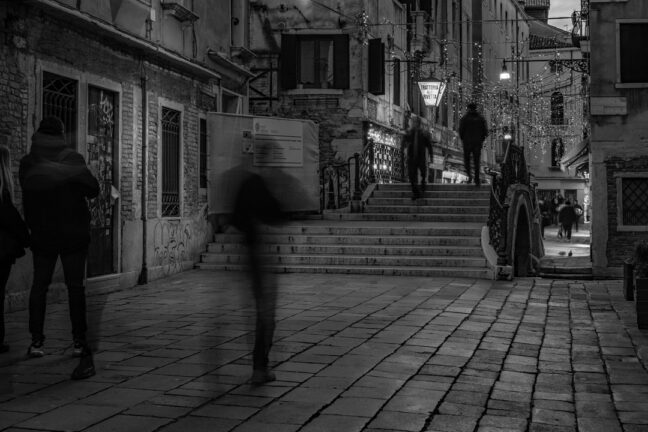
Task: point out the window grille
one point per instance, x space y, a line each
635 201
170 162
60 100
203 153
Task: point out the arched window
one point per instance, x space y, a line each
557 109
557 151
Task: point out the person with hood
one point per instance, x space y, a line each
416 143
56 184
14 236
473 130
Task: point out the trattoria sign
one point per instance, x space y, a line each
432 92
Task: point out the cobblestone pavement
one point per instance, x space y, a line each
352 353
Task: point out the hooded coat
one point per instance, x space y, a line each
473 129
56 182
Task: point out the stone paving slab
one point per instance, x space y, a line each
351 353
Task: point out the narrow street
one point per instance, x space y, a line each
351 353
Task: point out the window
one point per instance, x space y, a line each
315 61
397 82
60 100
170 162
202 165
557 109
376 69
633 208
557 151
633 38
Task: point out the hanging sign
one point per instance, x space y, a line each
432 92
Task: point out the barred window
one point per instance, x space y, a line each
170 162
634 201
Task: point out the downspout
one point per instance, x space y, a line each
143 276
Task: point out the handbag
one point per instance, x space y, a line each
10 247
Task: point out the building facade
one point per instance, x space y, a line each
555 112
619 138
132 81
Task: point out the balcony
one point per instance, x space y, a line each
177 9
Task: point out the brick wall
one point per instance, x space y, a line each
620 243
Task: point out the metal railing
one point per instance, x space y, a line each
336 187
513 170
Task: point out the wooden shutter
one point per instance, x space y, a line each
376 71
341 61
633 38
288 61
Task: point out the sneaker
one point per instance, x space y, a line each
36 349
85 368
77 349
261 377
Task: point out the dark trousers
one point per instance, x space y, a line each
472 154
265 295
5 269
74 272
416 167
567 230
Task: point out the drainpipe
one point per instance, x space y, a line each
143 276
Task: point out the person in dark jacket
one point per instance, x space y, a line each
473 130
14 236
417 144
567 217
56 184
255 205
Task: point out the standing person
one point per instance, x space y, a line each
545 216
255 205
418 144
56 184
14 236
567 216
473 130
578 209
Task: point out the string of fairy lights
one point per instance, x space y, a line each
530 101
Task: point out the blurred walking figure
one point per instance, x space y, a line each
56 183
545 216
14 237
418 144
578 209
254 206
473 130
566 217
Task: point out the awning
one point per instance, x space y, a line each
578 155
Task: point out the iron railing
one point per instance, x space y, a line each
336 187
381 163
513 171
170 162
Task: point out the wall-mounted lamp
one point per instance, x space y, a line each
505 74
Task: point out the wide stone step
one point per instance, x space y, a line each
456 210
350 260
450 194
432 187
367 250
357 227
434 202
449 272
407 217
459 239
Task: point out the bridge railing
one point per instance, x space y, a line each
513 170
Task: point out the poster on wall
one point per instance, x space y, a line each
277 142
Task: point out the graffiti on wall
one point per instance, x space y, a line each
180 240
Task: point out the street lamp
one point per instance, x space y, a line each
505 74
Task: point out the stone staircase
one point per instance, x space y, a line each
438 235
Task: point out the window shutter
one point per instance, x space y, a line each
288 61
376 73
633 38
341 61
